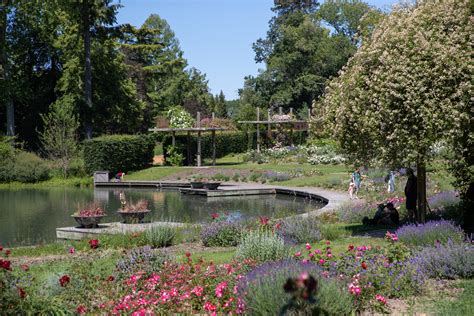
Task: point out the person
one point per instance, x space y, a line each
351 189
119 176
410 194
386 214
391 182
393 214
356 178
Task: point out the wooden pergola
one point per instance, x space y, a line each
199 130
269 122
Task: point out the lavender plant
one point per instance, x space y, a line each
221 234
429 233
262 246
449 261
160 236
299 230
141 259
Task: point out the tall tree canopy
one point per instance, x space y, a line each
407 88
306 44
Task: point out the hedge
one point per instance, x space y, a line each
226 143
116 153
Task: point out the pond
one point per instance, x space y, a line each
31 216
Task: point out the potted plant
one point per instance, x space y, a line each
89 217
197 182
133 213
211 185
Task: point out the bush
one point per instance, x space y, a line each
77 168
429 233
29 168
118 153
141 259
263 294
221 234
298 230
160 236
262 246
449 261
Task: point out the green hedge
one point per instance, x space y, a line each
116 153
226 143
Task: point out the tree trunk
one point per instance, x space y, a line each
87 68
421 193
5 75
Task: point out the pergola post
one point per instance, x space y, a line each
173 138
188 141
199 139
213 147
258 130
269 129
291 128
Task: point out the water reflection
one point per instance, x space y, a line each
30 216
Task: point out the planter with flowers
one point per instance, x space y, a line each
134 213
89 217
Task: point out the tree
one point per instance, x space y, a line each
4 69
406 88
59 137
220 105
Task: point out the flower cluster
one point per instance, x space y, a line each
64 280
91 211
93 243
391 236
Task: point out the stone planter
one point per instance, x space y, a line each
133 217
197 185
88 221
211 185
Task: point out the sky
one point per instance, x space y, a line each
215 35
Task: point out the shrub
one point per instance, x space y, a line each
449 261
263 294
118 153
77 168
299 230
262 246
429 233
29 168
7 156
179 117
160 236
141 259
221 234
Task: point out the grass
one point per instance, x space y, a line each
154 173
461 305
53 182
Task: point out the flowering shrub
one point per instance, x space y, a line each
262 245
447 261
179 117
221 233
427 234
262 290
183 288
297 230
160 236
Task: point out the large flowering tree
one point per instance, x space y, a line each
406 88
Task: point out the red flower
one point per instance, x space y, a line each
72 250
278 225
350 248
188 254
21 293
81 310
7 252
110 278
215 215
364 265
264 220
1 248
25 267
64 280
5 264
209 307
94 243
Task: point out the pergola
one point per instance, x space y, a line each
199 130
269 122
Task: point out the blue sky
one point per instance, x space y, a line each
215 35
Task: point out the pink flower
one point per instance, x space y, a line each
215 215
197 290
25 267
220 289
308 246
317 251
311 255
81 310
329 255
305 261
94 243
381 299
72 250
209 307
298 254
264 220
328 242
322 261
165 297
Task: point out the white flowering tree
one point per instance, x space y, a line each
406 88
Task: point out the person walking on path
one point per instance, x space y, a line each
411 194
356 179
391 182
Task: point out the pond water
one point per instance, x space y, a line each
31 216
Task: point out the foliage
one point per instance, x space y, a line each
221 234
174 157
300 229
28 168
263 294
179 117
429 233
262 246
160 236
59 137
140 259
118 153
447 261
